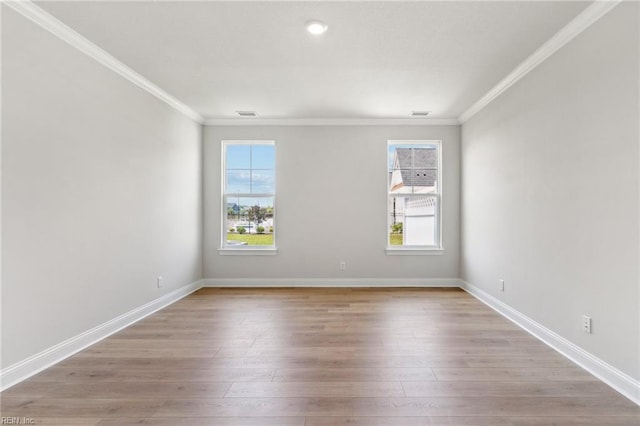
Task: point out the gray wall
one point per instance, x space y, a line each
331 204
101 193
550 192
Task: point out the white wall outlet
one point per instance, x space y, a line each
343 265
501 284
586 324
159 282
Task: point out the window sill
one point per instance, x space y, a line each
245 251
414 251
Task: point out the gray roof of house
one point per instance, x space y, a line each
426 162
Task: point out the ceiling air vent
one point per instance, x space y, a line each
420 113
247 113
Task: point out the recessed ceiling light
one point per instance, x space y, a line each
420 113
316 27
247 113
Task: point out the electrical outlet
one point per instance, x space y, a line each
501 282
159 282
343 265
586 324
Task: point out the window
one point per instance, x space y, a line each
413 195
248 195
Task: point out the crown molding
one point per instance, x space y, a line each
331 122
37 15
580 23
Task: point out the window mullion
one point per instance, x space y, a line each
236 205
413 197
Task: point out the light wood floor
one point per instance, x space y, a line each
320 357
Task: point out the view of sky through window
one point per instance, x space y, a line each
249 170
249 194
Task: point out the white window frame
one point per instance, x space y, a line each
436 249
227 249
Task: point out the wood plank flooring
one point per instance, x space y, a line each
320 357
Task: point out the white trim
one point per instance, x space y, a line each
331 122
408 251
580 23
228 249
26 368
249 142
419 250
37 15
1 257
621 382
248 251
331 282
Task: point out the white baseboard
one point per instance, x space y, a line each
331 282
26 368
621 382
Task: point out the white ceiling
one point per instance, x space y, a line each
377 60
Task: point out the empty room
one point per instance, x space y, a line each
320 213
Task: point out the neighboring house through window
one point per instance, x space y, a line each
414 194
249 192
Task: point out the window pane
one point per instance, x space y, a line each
413 169
249 221
393 159
413 181
249 193
424 180
413 194
238 157
400 181
428 146
413 220
262 181
413 156
263 156
238 181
